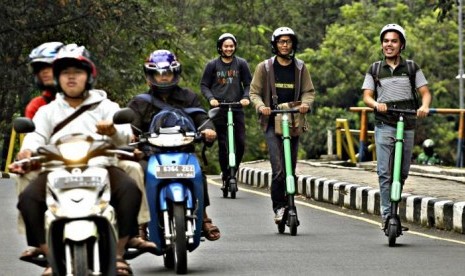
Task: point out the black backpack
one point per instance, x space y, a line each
376 67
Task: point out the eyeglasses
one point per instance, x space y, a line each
282 42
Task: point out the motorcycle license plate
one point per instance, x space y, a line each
72 182
175 171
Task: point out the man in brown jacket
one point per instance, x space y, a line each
282 79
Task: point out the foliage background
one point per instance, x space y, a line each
337 39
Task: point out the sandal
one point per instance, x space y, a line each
48 271
35 256
137 246
123 268
210 232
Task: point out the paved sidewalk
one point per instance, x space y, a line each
432 196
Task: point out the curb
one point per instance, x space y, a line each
422 210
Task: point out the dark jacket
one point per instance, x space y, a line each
178 98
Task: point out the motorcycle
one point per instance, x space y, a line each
174 189
80 222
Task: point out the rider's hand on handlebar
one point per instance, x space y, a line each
24 154
106 128
381 107
265 110
245 102
303 108
423 111
214 102
209 134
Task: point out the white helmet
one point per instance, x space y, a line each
395 28
222 38
428 143
43 54
280 32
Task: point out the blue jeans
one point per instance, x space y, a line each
278 169
385 137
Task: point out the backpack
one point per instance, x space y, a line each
375 69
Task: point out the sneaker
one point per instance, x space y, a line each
279 215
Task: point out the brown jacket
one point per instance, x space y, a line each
260 88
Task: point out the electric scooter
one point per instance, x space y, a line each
230 185
290 215
393 226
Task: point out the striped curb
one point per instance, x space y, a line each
422 210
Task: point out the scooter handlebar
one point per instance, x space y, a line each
276 111
231 104
401 111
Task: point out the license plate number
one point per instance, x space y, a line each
175 171
77 182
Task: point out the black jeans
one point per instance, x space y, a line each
278 169
125 198
221 126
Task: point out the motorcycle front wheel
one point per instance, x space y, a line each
180 243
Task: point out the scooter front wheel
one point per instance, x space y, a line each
293 225
392 232
233 187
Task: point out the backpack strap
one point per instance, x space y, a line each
375 69
412 77
270 76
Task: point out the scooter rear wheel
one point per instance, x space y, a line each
225 192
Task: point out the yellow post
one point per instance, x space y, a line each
343 124
11 149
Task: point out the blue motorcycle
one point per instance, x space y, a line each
174 186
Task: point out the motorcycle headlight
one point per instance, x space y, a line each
75 150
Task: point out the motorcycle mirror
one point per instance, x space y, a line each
23 125
213 112
124 116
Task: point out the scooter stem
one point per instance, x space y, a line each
290 181
396 188
232 154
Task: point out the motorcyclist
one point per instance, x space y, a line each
40 61
75 73
162 71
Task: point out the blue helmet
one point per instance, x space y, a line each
161 62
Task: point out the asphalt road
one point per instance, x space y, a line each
330 241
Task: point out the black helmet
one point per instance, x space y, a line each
161 61
221 39
280 32
77 56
